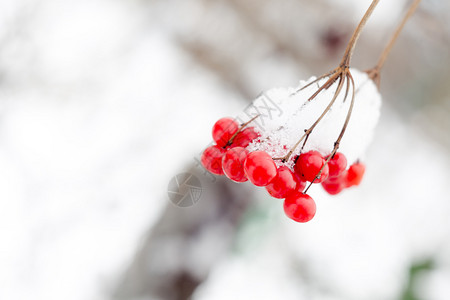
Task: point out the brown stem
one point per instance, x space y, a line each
352 43
349 113
310 129
345 62
350 81
315 81
230 141
394 37
374 73
342 72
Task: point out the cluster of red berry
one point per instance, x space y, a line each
231 158
344 179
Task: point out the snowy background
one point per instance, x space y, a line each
102 102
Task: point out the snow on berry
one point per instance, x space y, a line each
286 113
290 136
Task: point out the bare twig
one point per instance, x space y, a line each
374 73
341 73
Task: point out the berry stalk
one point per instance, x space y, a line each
344 127
341 73
355 36
240 130
374 73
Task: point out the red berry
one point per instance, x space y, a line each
308 166
334 185
300 183
233 164
245 137
299 207
355 174
337 164
212 159
223 130
282 184
260 168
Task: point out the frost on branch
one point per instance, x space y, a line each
285 114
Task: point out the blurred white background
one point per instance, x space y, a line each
103 101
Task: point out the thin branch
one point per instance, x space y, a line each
374 73
350 81
352 43
342 72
